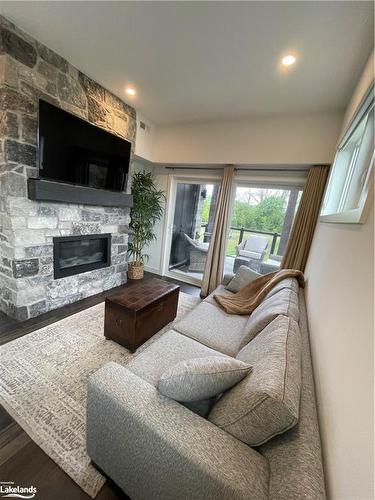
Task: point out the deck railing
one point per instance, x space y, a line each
243 230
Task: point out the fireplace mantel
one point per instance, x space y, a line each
47 190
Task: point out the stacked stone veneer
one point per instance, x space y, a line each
29 71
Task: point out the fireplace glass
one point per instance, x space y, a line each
79 254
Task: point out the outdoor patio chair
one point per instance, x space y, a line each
197 255
253 250
271 265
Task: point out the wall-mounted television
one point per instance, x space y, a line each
72 150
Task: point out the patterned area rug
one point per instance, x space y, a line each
43 378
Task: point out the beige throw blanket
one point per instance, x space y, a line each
251 295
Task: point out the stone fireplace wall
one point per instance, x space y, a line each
29 71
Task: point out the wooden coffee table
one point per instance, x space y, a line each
137 313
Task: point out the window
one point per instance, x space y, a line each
262 211
261 221
350 181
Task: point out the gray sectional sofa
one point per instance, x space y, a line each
156 448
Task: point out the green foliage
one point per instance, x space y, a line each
243 214
268 215
206 210
146 211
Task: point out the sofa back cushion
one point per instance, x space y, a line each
266 402
290 283
243 277
284 302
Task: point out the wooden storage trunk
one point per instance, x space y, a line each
138 312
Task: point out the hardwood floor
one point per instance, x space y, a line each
21 460
11 329
7 322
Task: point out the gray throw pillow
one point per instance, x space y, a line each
243 277
202 378
201 408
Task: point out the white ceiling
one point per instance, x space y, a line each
201 61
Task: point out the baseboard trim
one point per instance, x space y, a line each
153 270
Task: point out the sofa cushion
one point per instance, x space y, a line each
290 283
169 349
220 290
284 302
213 327
265 403
202 378
295 457
243 277
226 278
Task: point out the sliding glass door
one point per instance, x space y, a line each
261 221
190 228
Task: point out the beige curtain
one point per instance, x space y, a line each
302 233
213 272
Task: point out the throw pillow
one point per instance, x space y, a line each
202 378
201 408
243 277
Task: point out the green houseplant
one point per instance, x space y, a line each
147 209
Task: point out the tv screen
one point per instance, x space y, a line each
74 151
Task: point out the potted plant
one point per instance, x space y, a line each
147 209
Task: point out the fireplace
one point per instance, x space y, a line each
79 254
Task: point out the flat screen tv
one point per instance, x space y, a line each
72 150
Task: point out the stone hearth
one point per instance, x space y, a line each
29 71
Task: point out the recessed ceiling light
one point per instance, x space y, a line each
130 91
288 60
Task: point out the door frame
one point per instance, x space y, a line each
241 179
173 180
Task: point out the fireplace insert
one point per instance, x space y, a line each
79 254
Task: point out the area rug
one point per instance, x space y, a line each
43 378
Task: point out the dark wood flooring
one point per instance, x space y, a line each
21 460
11 329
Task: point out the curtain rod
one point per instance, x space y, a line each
271 169
244 169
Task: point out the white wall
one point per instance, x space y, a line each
144 148
283 139
340 302
298 139
155 248
363 84
145 140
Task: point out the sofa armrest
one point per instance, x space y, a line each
227 278
153 447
